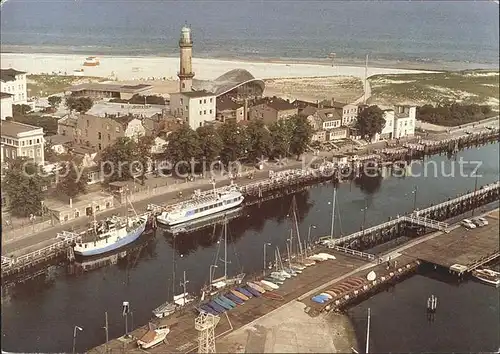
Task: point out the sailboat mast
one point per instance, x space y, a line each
184 289
297 224
173 270
368 333
333 212
225 249
288 253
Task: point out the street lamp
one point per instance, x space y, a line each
211 273
364 217
125 312
74 337
414 192
265 258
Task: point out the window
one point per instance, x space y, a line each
13 154
38 153
99 135
204 101
100 147
30 153
182 101
88 123
107 126
205 112
211 99
200 101
187 108
109 137
63 132
31 142
200 113
210 111
38 141
200 124
86 132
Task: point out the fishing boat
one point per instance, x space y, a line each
487 276
154 336
273 296
112 234
91 61
202 204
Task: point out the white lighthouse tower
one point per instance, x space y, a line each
186 73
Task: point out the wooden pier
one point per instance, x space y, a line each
461 250
13 266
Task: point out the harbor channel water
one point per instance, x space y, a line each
39 315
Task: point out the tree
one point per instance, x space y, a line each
143 154
301 135
23 185
19 110
370 122
281 135
48 124
79 104
183 146
116 160
210 142
54 101
49 154
259 140
235 141
72 178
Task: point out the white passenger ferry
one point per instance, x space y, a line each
202 204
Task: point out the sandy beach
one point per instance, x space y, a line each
133 68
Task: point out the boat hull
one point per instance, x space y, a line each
188 217
131 237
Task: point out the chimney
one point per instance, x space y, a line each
71 203
332 101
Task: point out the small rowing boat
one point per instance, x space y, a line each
234 298
222 304
257 287
228 301
269 284
244 292
252 291
216 307
274 280
273 296
240 295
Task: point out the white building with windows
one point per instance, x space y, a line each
194 107
14 82
7 101
399 123
22 140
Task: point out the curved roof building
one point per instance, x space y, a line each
237 82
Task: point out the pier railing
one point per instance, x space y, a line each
470 195
352 252
67 239
423 221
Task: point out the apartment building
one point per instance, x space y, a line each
271 110
99 132
227 109
14 82
7 101
22 140
194 107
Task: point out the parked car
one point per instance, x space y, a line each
480 221
468 224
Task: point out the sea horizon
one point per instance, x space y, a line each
424 34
